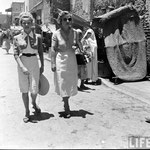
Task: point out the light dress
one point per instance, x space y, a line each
66 74
92 66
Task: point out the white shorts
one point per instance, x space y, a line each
29 82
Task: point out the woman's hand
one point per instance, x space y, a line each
53 67
41 69
25 71
74 47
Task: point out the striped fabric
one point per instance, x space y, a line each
146 26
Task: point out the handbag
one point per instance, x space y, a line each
81 59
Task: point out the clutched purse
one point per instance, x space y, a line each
81 59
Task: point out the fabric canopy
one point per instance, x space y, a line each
8 10
78 20
124 42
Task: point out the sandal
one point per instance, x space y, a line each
27 117
83 87
67 115
66 111
36 108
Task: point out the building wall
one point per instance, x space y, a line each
46 12
148 5
17 8
5 21
82 8
62 4
26 5
32 3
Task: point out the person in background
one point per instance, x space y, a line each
81 61
47 36
6 40
1 37
27 45
63 60
38 23
110 8
90 46
15 29
103 10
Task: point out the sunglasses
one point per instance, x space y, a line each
24 23
69 19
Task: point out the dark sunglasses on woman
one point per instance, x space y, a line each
69 19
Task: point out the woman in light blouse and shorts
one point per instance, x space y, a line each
27 45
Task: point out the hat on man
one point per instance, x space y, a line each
111 7
103 8
43 85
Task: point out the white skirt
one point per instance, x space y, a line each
66 75
29 82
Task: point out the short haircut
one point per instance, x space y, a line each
25 15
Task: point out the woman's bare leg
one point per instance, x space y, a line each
35 106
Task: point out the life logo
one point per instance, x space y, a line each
138 142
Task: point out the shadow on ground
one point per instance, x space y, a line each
75 113
40 117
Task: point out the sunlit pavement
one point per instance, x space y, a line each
101 117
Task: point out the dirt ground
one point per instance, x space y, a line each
101 117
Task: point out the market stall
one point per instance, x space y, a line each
124 40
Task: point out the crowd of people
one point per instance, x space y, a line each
6 35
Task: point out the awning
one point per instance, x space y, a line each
78 20
128 11
38 6
8 10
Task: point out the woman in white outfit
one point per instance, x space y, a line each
63 60
90 44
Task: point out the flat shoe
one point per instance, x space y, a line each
67 115
79 89
26 119
83 87
36 108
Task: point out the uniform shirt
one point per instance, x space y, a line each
28 49
24 43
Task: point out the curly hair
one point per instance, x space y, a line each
62 14
25 15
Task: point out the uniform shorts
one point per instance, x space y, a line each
29 82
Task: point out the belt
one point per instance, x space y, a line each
28 54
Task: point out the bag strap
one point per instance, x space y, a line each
75 37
